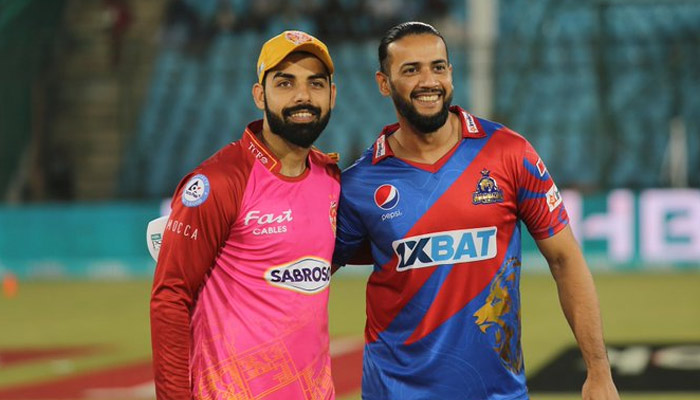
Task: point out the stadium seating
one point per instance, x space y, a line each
597 114
612 103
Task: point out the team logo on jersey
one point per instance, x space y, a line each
333 214
487 191
386 197
553 198
196 191
308 275
441 248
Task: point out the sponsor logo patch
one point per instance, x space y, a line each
308 275
156 241
269 223
553 198
541 168
380 147
258 154
450 247
487 191
196 191
386 197
471 125
182 228
392 215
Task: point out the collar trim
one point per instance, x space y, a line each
258 150
471 129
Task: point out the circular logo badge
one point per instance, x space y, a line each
196 191
386 197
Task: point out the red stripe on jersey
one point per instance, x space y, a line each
466 280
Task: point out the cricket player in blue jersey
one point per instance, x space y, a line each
440 198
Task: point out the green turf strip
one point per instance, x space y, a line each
636 308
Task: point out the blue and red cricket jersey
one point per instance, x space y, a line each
443 300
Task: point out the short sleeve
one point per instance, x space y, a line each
540 204
350 234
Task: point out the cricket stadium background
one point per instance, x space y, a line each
106 104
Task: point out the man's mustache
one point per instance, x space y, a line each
287 112
417 93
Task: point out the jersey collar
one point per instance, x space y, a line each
471 129
257 149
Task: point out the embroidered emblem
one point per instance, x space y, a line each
487 191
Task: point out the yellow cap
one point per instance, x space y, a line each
287 42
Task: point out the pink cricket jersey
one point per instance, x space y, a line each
240 294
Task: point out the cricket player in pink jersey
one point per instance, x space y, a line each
240 294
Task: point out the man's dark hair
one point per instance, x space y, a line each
401 30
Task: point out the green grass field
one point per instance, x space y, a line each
114 316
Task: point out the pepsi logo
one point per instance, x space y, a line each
386 197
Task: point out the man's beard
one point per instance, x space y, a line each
422 123
302 135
